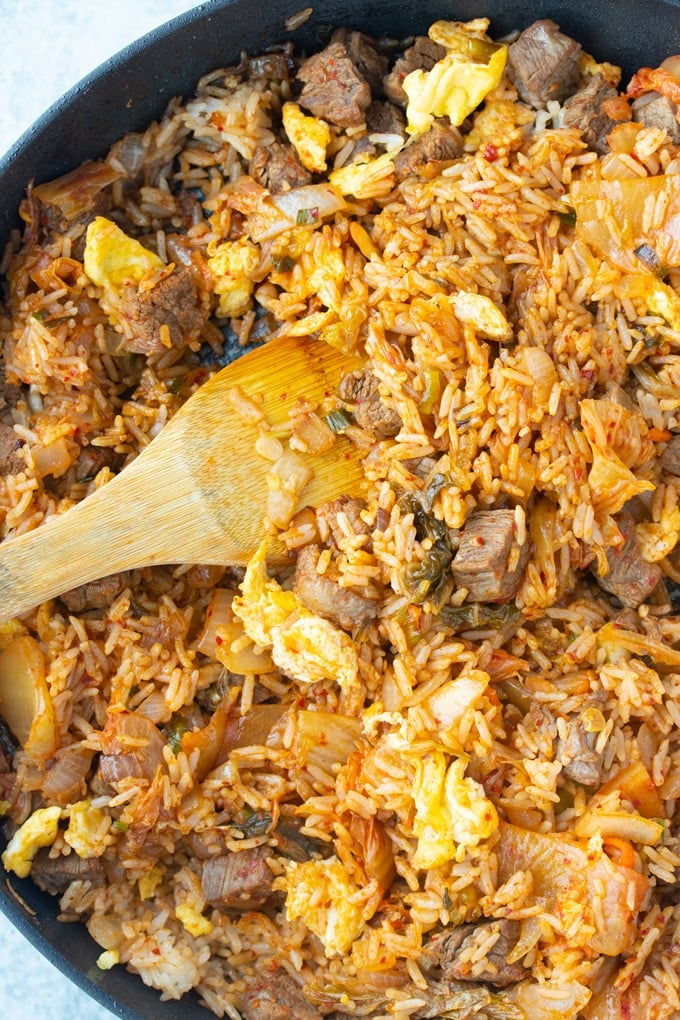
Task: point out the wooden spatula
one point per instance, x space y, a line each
196 494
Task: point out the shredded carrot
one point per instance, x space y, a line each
620 850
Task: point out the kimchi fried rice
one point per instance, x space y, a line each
429 766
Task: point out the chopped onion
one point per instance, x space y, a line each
218 613
54 459
64 782
127 736
281 212
25 702
155 708
539 365
621 825
285 481
312 433
248 410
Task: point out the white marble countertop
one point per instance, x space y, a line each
46 46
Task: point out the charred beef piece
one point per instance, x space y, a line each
427 152
576 752
543 64
54 224
277 997
584 110
173 302
11 461
362 389
385 119
489 562
93 458
322 595
670 458
630 579
443 952
361 50
95 594
423 54
657 111
240 881
327 516
54 874
333 88
9 392
277 168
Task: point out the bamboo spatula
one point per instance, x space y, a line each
197 492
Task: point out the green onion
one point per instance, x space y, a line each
121 826
338 420
283 263
568 217
431 393
307 216
39 316
174 385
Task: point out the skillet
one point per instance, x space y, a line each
129 91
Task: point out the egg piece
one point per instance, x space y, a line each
113 260
193 921
370 179
39 830
303 645
310 649
232 265
658 538
482 314
320 894
457 84
452 811
87 829
262 604
309 136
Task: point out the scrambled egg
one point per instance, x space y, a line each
658 538
303 645
113 260
452 811
39 830
482 314
149 882
320 893
232 265
86 829
309 137
456 85
365 180
108 959
194 922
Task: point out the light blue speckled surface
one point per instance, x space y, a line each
46 46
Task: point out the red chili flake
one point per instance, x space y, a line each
218 639
490 153
479 541
476 204
282 396
156 952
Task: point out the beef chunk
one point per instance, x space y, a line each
423 54
579 761
543 64
322 595
655 110
334 90
670 458
11 461
443 952
96 594
426 153
93 458
173 302
361 50
241 880
54 223
584 110
631 579
54 874
385 119
362 389
327 516
9 392
489 563
277 997
277 168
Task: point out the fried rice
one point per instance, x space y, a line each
429 766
